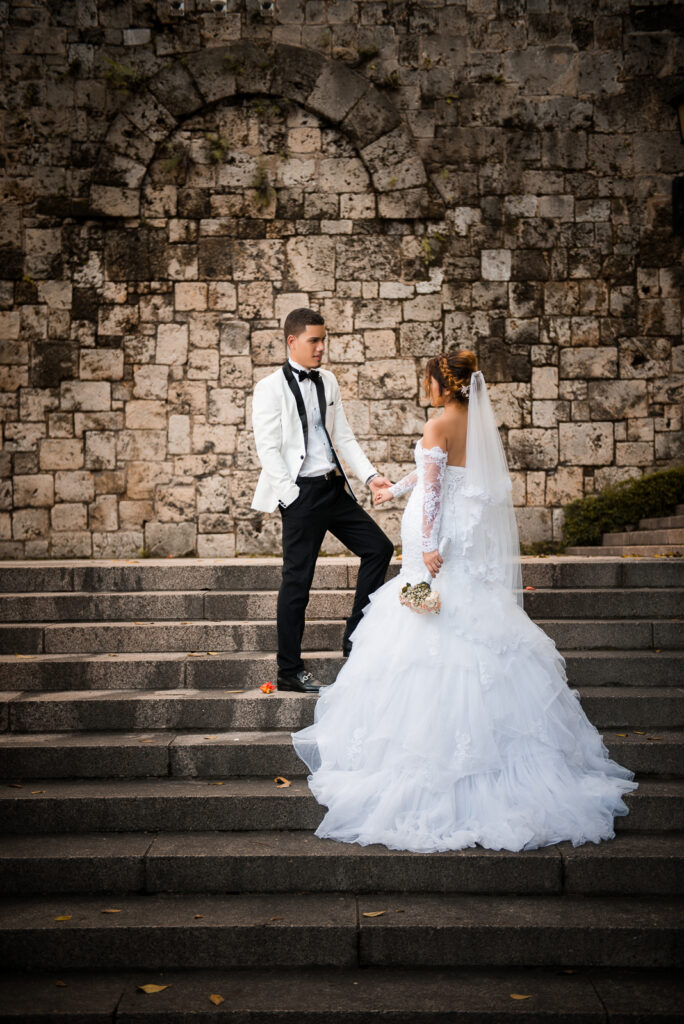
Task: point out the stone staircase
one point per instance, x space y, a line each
146 841
653 538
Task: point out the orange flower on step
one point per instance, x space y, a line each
267 688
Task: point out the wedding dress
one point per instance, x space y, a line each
443 731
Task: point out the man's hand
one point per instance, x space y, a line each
378 483
381 495
433 560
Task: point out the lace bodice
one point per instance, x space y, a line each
429 476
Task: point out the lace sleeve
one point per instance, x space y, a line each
433 463
407 484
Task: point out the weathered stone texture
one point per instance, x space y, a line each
492 179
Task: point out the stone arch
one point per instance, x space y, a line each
327 88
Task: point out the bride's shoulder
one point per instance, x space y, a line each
434 437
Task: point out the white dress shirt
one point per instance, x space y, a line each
319 458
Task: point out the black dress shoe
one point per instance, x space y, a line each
346 648
302 682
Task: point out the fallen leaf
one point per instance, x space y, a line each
111 910
131 561
638 732
146 741
213 653
569 970
216 999
654 737
530 588
210 737
267 688
150 989
112 655
215 783
516 995
399 911
233 691
26 657
374 913
657 650
15 785
275 918
282 783
33 791
623 734
195 654
64 917
61 984
198 916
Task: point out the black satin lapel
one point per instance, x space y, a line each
322 405
294 388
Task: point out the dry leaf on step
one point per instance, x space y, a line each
151 989
61 984
374 913
282 783
516 995
216 999
64 917
233 691
215 783
111 910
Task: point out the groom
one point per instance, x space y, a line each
299 428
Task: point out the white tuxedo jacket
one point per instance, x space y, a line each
280 440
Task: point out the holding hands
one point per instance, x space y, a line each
380 489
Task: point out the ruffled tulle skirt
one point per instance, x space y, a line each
446 731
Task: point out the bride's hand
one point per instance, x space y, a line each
383 495
433 560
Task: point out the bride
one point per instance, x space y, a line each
456 727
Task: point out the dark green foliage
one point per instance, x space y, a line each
621 506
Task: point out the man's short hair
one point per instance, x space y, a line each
298 320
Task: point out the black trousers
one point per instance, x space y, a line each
324 505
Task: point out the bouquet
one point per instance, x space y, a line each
420 598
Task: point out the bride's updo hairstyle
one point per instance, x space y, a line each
452 371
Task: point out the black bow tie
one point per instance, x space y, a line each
313 375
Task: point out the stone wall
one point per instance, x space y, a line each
176 177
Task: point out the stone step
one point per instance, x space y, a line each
172 670
675 522
112 637
253 574
217 709
675 536
415 930
346 996
637 550
577 603
190 805
229 755
206 862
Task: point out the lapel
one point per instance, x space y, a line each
293 385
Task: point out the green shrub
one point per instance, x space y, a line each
621 506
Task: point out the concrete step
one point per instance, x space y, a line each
254 574
172 805
675 522
218 709
237 605
667 536
636 550
346 996
173 670
223 862
103 638
416 930
229 755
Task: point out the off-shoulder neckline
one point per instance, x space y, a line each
437 448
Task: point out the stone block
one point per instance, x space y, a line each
378 314
423 308
23 437
586 444
174 87
119 544
190 295
382 344
495 264
548 412
373 116
235 371
203 364
112 201
219 545
179 435
267 347
61 453
645 358
534 525
100 449
30 524
234 338
172 344
101 364
544 382
564 485
141 445
415 339
208 437
69 517
71 545
175 503
532 448
142 478
310 263
393 162
357 206
634 453
508 403
226 405
617 399
222 295
389 378
35 403
85 396
174 539
150 381
188 396
582 363
97 421
346 348
390 417
74 486
356 257
336 91
145 414
35 490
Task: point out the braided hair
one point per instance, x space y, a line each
452 371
